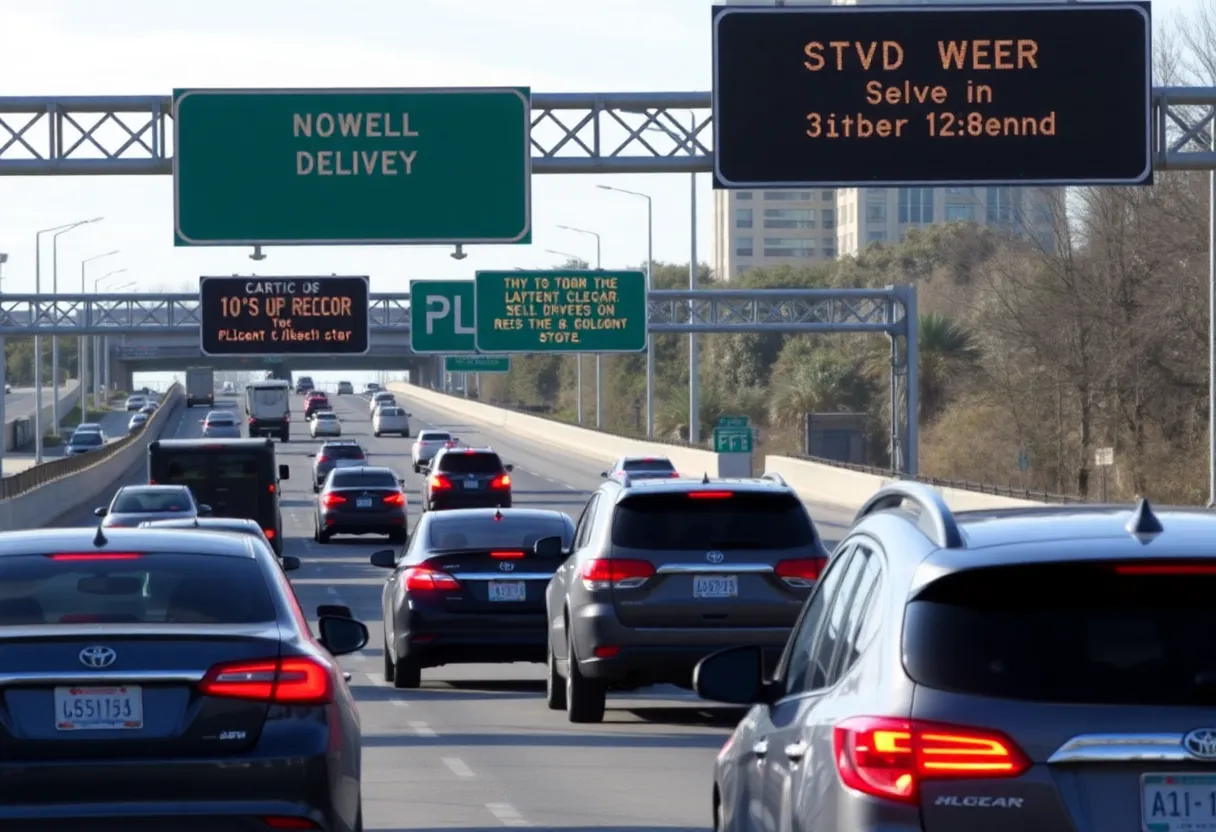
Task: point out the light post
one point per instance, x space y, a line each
578 359
599 358
101 346
82 343
649 286
54 339
3 376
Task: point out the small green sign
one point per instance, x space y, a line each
732 440
732 421
441 317
477 364
563 310
352 167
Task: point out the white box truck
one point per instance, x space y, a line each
200 386
268 406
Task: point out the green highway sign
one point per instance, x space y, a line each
560 310
441 317
352 167
733 440
477 364
732 421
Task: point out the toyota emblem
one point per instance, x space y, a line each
507 566
1201 743
97 657
715 557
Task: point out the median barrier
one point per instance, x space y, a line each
35 497
14 433
814 481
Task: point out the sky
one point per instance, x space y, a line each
142 47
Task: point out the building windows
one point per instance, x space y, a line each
958 191
743 247
1000 206
790 218
788 247
916 205
829 218
744 195
876 212
787 196
827 196
960 213
876 237
829 250
743 217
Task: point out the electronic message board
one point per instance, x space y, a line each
284 315
845 96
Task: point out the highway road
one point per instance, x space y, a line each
20 402
475 748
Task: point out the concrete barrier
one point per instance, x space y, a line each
813 481
15 435
38 507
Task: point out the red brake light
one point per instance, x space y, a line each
801 572
470 452
394 499
288 822
888 758
710 495
604 573
439 482
422 579
271 488
506 554
97 556
322 458
287 681
1165 569
501 481
269 533
674 474
251 420
331 500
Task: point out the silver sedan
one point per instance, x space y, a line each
220 424
325 423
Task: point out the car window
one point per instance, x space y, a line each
220 419
186 467
862 622
742 520
342 452
323 416
648 465
434 436
390 411
229 466
150 502
268 396
582 531
86 438
1092 633
832 632
797 659
363 479
466 463
511 532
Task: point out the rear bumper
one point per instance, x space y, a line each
268 425
370 523
434 638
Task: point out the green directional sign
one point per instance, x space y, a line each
732 421
732 440
352 167
441 317
477 364
562 310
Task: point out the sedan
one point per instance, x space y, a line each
180 660
470 588
149 408
378 399
389 418
429 443
314 404
365 500
220 424
136 402
345 388
83 442
325 423
223 525
133 504
137 423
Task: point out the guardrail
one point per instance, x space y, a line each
40 475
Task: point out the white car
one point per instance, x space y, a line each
325 423
391 418
429 443
229 388
136 402
383 397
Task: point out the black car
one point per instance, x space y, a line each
336 453
168 677
304 385
365 500
467 478
470 588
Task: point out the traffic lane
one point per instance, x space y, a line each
20 402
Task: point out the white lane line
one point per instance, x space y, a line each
378 680
401 703
507 814
334 592
458 767
421 729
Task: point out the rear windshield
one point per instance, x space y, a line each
511 532
141 502
741 521
268 395
1067 633
390 411
221 419
342 452
86 438
432 436
157 588
649 465
462 463
305 380
325 414
363 479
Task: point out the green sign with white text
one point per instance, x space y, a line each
732 440
560 310
476 364
441 317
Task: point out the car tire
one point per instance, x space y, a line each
396 537
417 468
555 685
285 436
389 662
376 434
585 698
359 818
407 674
406 434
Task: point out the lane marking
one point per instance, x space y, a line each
458 767
507 814
401 703
421 729
334 592
378 680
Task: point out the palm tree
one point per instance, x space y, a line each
823 383
946 350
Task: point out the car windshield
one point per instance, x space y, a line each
679 521
148 588
512 531
326 415
434 436
86 438
140 417
656 465
390 411
220 419
342 452
469 463
364 479
143 501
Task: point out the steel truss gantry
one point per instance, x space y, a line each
630 132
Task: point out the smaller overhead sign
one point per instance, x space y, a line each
477 364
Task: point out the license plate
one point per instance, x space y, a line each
507 591
715 586
99 709
1178 802
363 502
471 485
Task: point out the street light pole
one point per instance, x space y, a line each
82 343
101 346
694 352
578 358
54 339
599 358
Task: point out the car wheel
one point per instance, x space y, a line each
407 674
585 698
417 468
376 434
406 434
359 819
322 537
396 537
555 685
388 661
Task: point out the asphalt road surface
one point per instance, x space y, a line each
20 402
475 748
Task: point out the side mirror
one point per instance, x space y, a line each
290 563
509 467
284 472
100 511
341 635
312 456
548 547
204 510
401 482
604 474
202 421
410 415
336 610
734 676
385 559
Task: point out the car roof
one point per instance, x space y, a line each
153 489
345 442
458 515
625 487
468 450
88 425
204 523
93 539
325 414
365 469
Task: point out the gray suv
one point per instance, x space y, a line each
664 572
1048 668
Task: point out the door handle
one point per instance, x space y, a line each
796 751
760 748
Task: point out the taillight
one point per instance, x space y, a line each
888 758
605 573
710 495
439 482
394 499
288 822
288 681
501 481
322 458
251 420
1165 569
331 500
422 579
96 556
512 554
269 533
802 572
270 488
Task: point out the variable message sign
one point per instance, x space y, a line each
564 310
441 317
476 364
284 315
1020 94
343 167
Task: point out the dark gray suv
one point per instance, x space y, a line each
664 572
1046 667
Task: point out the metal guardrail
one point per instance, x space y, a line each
40 475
